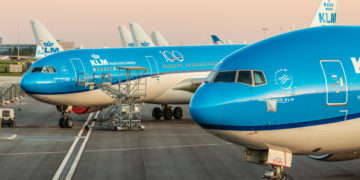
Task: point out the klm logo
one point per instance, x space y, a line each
327 18
144 43
329 6
97 61
49 49
100 62
356 64
131 44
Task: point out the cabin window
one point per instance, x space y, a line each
259 78
94 69
225 76
245 77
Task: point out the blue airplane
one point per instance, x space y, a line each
173 75
295 93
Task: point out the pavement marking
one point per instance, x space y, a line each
31 153
62 171
158 147
76 161
8 136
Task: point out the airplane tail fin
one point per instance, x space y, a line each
216 39
139 35
39 52
158 39
44 39
326 13
126 38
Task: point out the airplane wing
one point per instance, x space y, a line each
189 84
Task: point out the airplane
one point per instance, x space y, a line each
44 39
216 40
158 39
126 38
141 39
326 13
173 75
300 96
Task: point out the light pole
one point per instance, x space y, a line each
264 29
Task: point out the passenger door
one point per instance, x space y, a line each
336 83
154 70
79 69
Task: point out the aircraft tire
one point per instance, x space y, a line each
156 113
68 123
167 113
178 113
61 122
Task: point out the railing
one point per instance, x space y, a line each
10 93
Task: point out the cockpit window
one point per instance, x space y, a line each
225 76
37 69
45 69
211 76
259 78
245 77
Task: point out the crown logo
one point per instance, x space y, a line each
48 44
131 44
95 56
144 43
329 6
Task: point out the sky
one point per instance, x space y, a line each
182 22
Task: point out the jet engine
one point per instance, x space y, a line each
341 156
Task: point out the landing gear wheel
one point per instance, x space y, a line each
68 122
167 113
156 113
61 122
178 113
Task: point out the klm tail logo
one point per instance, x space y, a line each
49 49
329 6
327 18
144 44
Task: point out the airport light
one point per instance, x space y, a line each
264 29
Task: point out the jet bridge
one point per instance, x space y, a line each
128 92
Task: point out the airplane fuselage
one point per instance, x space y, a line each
166 66
308 103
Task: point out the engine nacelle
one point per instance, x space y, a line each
342 156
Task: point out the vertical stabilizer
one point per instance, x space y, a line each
39 52
126 38
158 39
216 39
44 39
141 39
326 13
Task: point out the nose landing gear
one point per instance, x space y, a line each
276 173
65 121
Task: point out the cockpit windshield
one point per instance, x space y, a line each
45 69
248 77
225 76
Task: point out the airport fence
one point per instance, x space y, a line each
10 92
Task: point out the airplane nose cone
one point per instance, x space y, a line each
27 84
206 106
